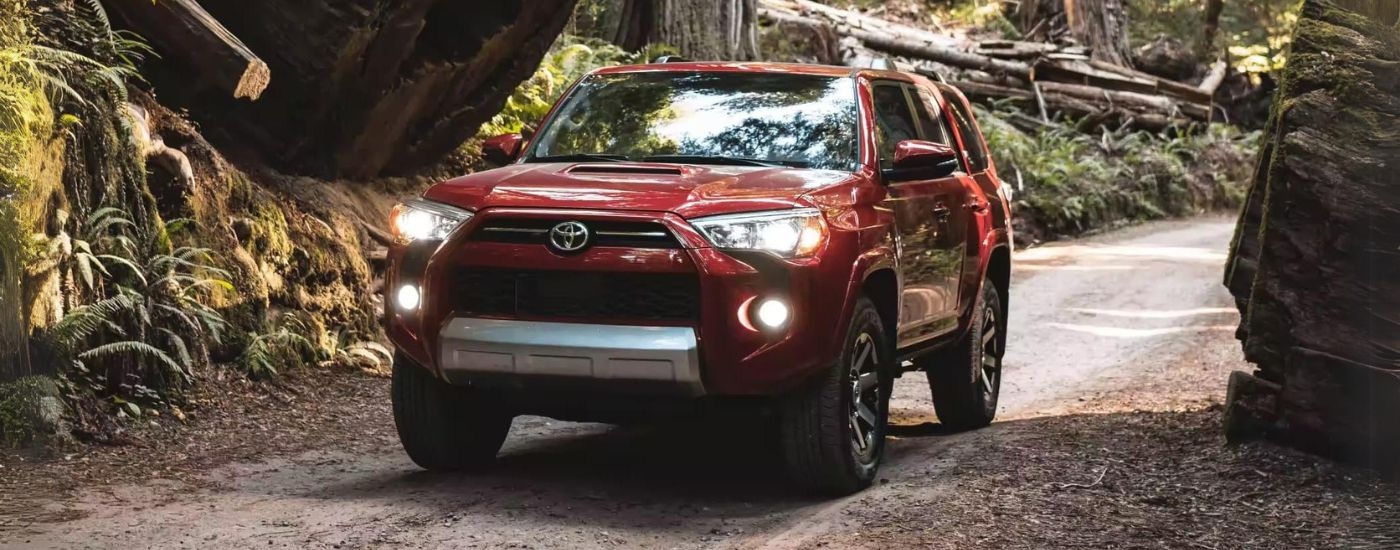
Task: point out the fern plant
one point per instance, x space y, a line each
153 326
347 349
284 345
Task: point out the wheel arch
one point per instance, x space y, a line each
881 286
999 273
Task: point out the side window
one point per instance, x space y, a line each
927 110
893 120
976 155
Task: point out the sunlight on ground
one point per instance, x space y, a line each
1052 267
1122 332
1148 314
1093 251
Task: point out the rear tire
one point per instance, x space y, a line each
444 427
833 430
966 379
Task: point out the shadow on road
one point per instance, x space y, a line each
637 476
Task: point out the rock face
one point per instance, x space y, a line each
1315 265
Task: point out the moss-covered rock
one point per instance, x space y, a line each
32 413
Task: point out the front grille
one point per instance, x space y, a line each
578 294
603 233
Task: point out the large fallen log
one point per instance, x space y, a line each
1073 106
1103 75
926 49
1134 100
856 20
183 30
364 88
1010 69
1314 262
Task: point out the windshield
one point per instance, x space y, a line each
755 119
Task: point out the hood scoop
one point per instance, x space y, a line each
626 169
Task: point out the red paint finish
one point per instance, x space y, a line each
503 149
915 153
736 360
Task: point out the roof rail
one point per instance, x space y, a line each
670 59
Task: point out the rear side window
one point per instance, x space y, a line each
976 155
893 120
927 110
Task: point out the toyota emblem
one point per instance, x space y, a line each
569 236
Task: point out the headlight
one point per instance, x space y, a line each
419 220
787 233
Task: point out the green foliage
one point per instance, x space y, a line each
986 14
149 324
346 349
289 344
25 117
568 59
25 405
1254 32
1066 182
284 345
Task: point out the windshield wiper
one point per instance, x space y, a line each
734 161
581 157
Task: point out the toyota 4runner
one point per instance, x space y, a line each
686 233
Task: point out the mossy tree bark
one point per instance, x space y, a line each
1383 11
1313 264
370 88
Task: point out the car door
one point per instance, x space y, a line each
924 211
979 186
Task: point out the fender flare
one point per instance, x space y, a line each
873 260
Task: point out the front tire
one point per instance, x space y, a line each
444 427
833 430
966 379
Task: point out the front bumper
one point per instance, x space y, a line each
513 340
516 354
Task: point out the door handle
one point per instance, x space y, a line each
976 206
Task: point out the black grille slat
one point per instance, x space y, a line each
579 295
605 233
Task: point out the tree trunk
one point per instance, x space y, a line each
1100 25
372 87
1386 12
1313 263
708 30
1210 28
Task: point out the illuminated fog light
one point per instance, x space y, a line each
772 313
408 297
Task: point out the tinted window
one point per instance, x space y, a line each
927 110
893 120
977 156
797 120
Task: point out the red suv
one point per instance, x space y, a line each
685 234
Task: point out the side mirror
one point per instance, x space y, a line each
503 149
916 159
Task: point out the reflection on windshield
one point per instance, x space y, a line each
719 118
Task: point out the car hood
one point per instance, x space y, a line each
685 189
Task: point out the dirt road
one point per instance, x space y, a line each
1131 321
